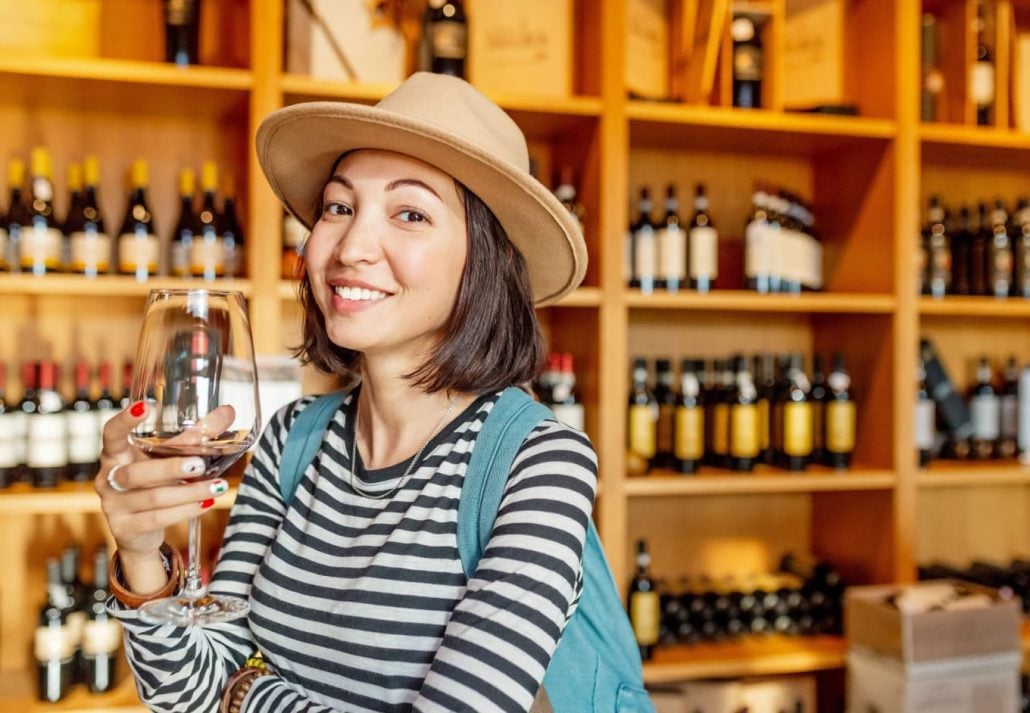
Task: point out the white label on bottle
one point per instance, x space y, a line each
135 251
76 623
90 250
40 246
54 643
234 255
9 437
83 440
986 412
47 441
646 253
672 253
755 254
570 415
1024 413
207 256
19 434
981 83
925 416
792 256
704 252
101 637
1009 416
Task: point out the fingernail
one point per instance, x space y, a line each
218 487
206 504
193 466
138 409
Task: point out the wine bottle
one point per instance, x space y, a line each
8 434
672 246
962 254
765 382
757 259
18 219
25 409
840 416
747 62
207 251
74 215
925 418
820 396
84 443
690 418
778 401
1008 439
703 244
744 419
952 410
665 395
645 249
999 254
448 38
795 245
182 31
47 447
932 89
978 255
563 401
1021 250
102 634
797 417
89 243
54 643
41 239
186 227
644 604
567 195
643 415
106 406
138 246
720 413
76 591
986 412
938 246
981 76
233 241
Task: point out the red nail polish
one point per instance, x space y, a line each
138 408
206 504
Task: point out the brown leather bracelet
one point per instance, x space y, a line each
133 600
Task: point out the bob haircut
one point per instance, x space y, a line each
491 340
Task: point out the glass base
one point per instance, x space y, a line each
182 611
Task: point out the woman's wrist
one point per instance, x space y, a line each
135 579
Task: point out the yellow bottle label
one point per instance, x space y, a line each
642 436
797 429
764 434
721 429
690 433
644 609
840 426
744 441
666 428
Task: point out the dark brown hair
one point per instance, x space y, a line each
491 340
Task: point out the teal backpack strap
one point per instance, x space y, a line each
510 421
304 440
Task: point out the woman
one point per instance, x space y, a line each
430 244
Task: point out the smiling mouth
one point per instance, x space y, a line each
359 294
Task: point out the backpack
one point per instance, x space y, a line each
596 666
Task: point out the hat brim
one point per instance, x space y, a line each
298 145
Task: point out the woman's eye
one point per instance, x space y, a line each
410 215
333 208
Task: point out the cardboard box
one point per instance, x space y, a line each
813 57
373 51
873 624
51 28
982 684
523 47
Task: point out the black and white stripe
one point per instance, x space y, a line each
362 605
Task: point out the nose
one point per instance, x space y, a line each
359 241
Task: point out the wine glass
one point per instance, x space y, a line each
195 370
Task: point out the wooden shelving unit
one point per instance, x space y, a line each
868 177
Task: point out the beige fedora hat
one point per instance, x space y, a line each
447 123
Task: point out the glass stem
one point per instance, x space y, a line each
194 588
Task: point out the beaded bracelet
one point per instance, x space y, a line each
238 685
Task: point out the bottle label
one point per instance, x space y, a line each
207 256
704 252
986 412
645 254
644 611
570 415
981 83
797 429
19 434
83 442
76 623
90 251
101 637
666 428
756 257
137 251
54 643
815 268
690 433
449 40
41 246
840 426
672 253
744 441
721 429
47 441
1009 416
926 414
9 451
642 436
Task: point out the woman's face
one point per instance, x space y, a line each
386 255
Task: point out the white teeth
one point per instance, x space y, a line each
359 294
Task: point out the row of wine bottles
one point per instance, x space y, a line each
45 439
739 412
1012 579
556 388
76 639
782 253
802 598
206 243
991 421
985 251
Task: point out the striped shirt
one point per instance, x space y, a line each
361 604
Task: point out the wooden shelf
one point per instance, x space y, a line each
945 474
763 480
128 71
1008 308
22 499
981 146
747 301
752 656
745 130
18 693
106 285
583 297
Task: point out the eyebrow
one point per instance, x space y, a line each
400 182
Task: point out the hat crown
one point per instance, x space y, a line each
456 107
